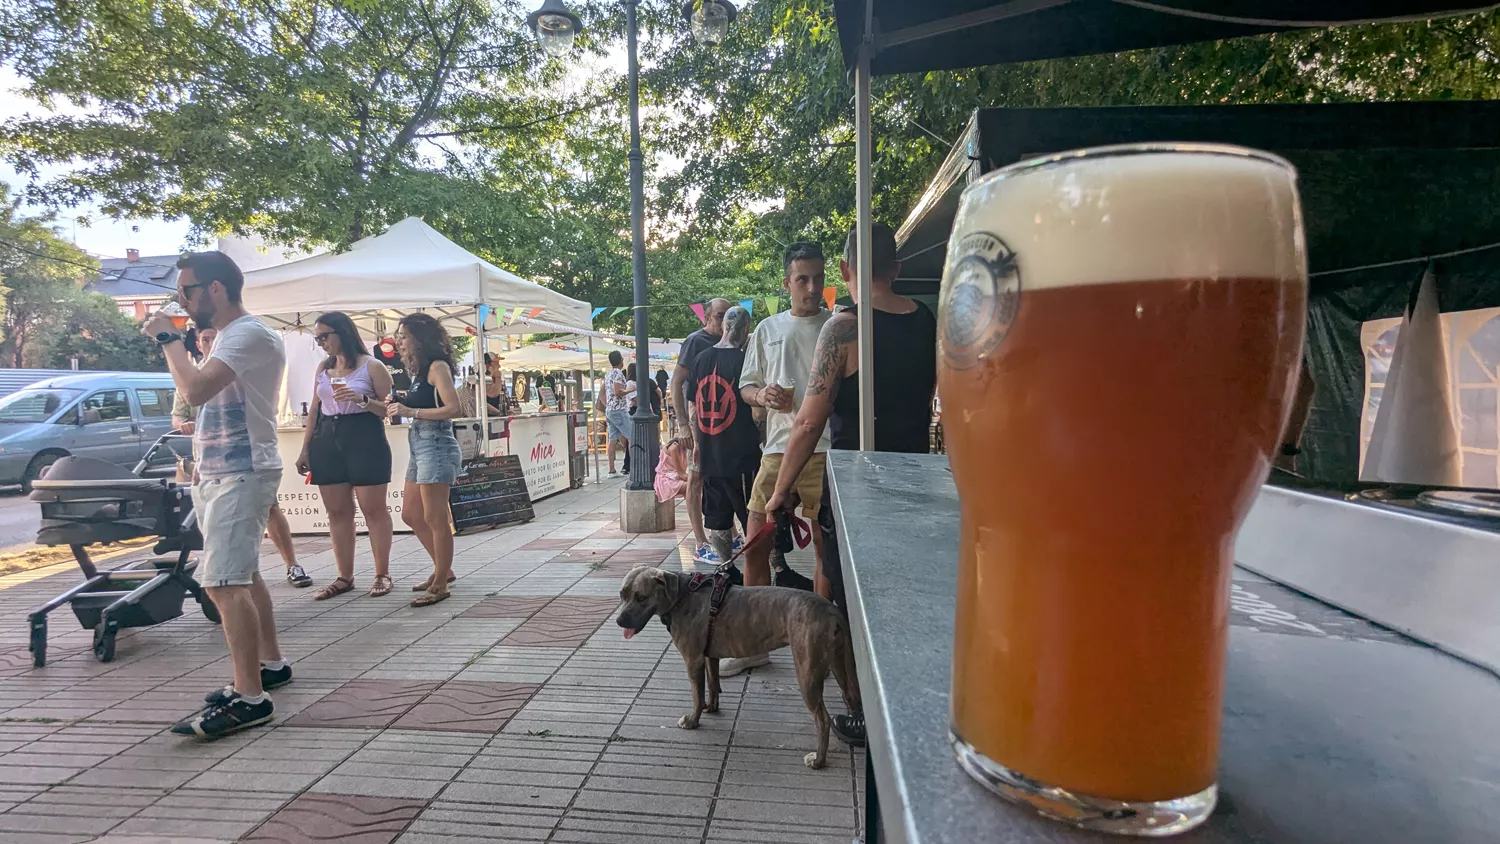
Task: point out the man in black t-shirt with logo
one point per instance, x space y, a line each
682 399
728 441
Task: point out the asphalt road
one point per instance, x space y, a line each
19 519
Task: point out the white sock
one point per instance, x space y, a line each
253 698
276 665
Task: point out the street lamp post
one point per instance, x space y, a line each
555 27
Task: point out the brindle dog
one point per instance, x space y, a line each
753 620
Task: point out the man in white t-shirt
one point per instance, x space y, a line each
239 470
777 363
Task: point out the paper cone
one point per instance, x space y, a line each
1415 440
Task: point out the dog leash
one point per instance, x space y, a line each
720 580
766 531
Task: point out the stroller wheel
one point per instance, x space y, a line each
104 642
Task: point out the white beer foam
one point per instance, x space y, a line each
1142 217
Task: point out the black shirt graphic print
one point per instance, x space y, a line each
728 441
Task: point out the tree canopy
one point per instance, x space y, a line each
48 319
316 121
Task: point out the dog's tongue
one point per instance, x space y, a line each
629 632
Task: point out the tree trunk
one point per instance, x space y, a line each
357 228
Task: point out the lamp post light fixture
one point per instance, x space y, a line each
555 28
709 19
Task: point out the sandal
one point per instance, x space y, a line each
338 587
381 586
426 584
429 597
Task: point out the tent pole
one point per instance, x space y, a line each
863 190
594 413
479 388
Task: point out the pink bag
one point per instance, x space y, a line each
671 472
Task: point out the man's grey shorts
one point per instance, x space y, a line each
619 424
232 513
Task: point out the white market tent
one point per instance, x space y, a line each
408 268
411 267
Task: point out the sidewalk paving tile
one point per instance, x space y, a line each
513 712
364 703
340 817
467 706
507 606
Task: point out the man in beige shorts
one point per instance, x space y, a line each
777 363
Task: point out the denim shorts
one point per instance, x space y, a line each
232 513
434 455
619 424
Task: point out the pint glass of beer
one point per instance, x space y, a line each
177 313
1120 334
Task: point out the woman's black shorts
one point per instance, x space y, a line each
350 449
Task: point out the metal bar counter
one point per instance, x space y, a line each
1335 729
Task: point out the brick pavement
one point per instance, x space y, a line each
514 711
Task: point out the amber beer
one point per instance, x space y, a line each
177 314
1121 330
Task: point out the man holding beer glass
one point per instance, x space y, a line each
1120 331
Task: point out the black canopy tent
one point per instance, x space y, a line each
1383 184
895 36
911 37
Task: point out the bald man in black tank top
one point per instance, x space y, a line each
905 378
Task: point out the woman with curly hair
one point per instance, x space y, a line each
431 403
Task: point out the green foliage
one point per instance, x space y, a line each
309 121
95 332
301 120
48 318
779 125
41 277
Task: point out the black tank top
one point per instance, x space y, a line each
422 393
905 380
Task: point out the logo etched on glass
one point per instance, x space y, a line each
980 297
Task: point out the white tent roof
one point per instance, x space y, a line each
541 357
411 267
571 352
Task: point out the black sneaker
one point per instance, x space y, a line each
850 729
270 678
298 576
221 719
785 576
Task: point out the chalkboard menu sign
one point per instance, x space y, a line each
489 492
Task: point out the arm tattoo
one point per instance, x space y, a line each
838 336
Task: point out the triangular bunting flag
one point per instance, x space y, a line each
484 314
595 315
773 304
748 305
618 311
829 295
515 314
698 312
535 312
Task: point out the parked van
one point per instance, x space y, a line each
112 416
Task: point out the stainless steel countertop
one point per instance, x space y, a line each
1335 730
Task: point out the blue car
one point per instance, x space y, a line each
113 416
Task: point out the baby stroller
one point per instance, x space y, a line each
86 502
